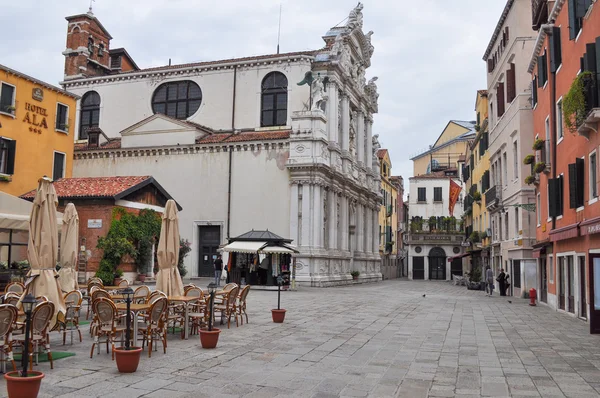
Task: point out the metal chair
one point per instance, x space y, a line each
15 287
8 316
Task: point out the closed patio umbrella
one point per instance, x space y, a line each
69 239
168 279
42 250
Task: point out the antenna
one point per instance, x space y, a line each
279 29
90 9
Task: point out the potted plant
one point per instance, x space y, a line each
477 196
530 180
142 277
538 144
539 167
5 178
355 275
209 337
474 237
529 159
127 358
278 314
118 277
474 279
575 108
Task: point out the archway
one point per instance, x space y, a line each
437 264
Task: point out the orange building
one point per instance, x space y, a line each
565 70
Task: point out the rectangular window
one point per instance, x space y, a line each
516 222
534 86
505 226
577 10
576 184
58 170
516 159
555 196
437 194
550 269
559 120
505 170
7 156
542 70
500 99
7 98
62 117
593 175
422 197
517 273
539 209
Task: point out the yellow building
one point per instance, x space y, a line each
478 181
445 153
36 131
388 215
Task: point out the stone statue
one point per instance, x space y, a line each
318 95
360 78
371 91
352 144
355 19
376 147
340 112
369 44
338 45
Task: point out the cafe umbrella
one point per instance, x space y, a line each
168 279
68 249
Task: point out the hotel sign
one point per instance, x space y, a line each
591 229
35 116
37 94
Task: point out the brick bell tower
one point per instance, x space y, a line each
88 44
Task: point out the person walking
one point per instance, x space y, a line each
218 270
502 282
489 280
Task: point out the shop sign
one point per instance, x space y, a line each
37 94
593 229
95 224
36 117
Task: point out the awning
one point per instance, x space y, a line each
459 256
563 233
591 226
287 249
15 212
244 247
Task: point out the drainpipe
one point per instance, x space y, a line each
553 131
230 149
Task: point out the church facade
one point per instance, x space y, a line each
281 142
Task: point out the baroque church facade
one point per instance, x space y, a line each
281 142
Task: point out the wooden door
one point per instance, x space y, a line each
561 283
594 270
543 281
582 288
571 284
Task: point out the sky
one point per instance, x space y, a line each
428 53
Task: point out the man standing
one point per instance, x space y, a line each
489 280
502 282
218 270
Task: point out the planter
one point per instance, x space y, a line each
23 387
117 281
142 277
209 338
355 277
278 315
127 360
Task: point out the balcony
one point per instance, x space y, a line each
539 10
590 115
493 198
436 229
544 155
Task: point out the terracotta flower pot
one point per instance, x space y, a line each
23 387
209 338
127 360
278 315
142 277
117 281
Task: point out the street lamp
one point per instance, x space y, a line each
28 303
128 294
211 291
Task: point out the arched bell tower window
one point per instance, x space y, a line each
274 100
90 113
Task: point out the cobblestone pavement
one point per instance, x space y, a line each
376 340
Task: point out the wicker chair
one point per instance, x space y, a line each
11 298
40 322
197 313
124 283
107 324
8 317
73 299
154 326
229 306
241 303
155 295
141 294
15 287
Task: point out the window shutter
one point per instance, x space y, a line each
560 199
580 181
10 161
555 49
534 91
500 99
552 196
511 91
506 33
490 65
573 203
580 8
540 64
597 46
573 29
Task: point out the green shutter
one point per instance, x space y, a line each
11 146
555 49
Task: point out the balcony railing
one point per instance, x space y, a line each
493 197
544 155
436 225
539 10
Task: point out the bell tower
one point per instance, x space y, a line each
88 44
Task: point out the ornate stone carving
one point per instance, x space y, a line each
299 148
353 122
370 47
372 94
318 95
376 147
355 19
340 111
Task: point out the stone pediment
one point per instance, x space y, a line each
161 130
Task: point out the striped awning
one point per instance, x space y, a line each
244 247
568 232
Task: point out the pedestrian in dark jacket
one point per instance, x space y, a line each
502 282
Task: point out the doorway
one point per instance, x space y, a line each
582 288
595 293
209 238
543 281
561 283
437 264
418 267
570 284
456 267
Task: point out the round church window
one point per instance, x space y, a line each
418 249
178 100
456 249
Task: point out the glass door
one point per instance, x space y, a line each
595 293
561 283
571 284
582 288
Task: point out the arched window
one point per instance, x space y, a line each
91 45
178 100
90 113
274 100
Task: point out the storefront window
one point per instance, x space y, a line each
13 247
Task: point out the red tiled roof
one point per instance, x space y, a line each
381 153
112 143
96 187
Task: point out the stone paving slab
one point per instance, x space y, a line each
370 340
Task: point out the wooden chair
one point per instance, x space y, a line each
241 304
73 300
124 283
229 306
188 287
108 324
155 295
8 317
11 298
39 337
141 294
197 312
154 326
220 299
15 287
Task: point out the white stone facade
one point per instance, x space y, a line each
315 180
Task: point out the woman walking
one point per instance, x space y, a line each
489 280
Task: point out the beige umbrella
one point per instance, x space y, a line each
69 239
42 250
168 279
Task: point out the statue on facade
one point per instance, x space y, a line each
370 46
376 147
361 81
355 18
318 95
371 91
352 144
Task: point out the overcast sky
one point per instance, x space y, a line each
427 52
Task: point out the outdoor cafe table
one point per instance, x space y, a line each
135 308
186 300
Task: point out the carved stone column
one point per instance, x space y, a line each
332 200
294 213
360 139
332 112
345 144
360 228
317 218
369 138
368 240
345 222
376 237
306 233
